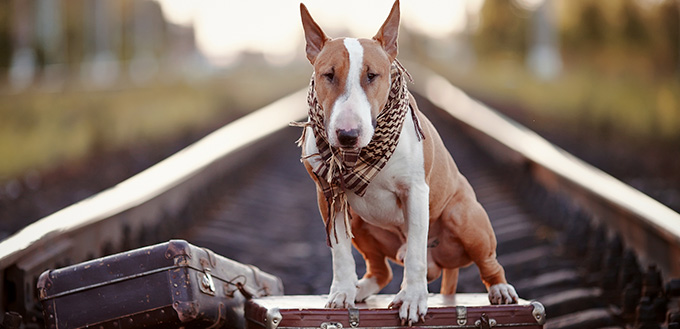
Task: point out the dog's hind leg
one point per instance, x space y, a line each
449 281
479 242
378 275
378 272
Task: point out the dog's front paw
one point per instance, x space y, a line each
342 297
340 300
502 293
412 304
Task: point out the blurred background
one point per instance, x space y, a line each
93 91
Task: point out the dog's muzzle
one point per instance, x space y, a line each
348 138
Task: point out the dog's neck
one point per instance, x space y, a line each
342 170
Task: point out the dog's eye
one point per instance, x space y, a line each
329 76
371 76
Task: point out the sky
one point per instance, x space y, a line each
224 28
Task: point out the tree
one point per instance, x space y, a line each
634 30
593 24
503 28
668 14
5 35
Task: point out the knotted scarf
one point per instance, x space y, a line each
339 170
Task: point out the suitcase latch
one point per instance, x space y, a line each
331 325
485 323
353 317
461 315
207 283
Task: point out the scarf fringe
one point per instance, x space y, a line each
403 70
338 202
300 141
419 130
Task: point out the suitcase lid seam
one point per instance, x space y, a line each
104 283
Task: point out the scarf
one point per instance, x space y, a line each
340 170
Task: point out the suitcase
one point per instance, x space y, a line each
172 284
459 311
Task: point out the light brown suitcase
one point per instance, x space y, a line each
169 285
459 311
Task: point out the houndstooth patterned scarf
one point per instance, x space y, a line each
342 170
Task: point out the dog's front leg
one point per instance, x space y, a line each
344 286
412 298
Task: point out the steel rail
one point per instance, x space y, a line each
77 232
158 189
651 227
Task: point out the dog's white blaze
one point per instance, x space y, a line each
352 109
356 62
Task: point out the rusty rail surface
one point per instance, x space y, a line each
145 208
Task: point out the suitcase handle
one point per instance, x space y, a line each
240 286
207 283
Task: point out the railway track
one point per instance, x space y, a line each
594 252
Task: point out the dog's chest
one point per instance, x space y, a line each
383 204
385 199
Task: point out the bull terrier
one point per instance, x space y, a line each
385 181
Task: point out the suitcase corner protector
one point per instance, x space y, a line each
176 248
538 312
186 311
44 283
273 318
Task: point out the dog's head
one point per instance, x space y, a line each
352 78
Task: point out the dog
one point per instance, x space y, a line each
412 205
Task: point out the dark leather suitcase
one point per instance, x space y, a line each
459 311
172 284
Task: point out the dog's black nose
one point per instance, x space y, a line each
347 138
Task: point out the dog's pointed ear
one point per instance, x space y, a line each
314 36
389 32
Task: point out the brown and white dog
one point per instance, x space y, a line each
418 199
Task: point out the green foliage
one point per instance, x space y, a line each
593 25
5 37
503 29
607 36
621 66
39 130
668 34
634 29
579 99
